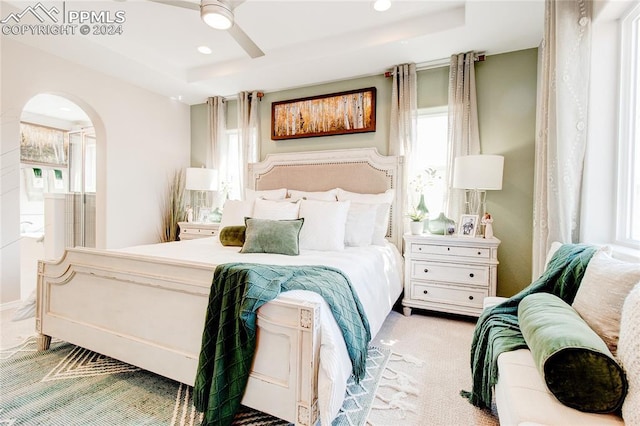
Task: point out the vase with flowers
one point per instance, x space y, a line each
418 185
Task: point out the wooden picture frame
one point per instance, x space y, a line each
43 145
353 111
468 225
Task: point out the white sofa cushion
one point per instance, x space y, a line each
604 287
629 355
522 397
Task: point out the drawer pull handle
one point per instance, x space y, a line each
425 291
419 248
426 270
470 297
448 248
471 275
479 253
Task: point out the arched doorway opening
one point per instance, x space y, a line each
58 182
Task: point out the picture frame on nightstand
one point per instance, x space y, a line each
468 225
203 214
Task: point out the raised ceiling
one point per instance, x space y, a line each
305 42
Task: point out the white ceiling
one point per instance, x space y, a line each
305 42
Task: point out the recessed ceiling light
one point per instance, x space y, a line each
65 109
205 50
382 5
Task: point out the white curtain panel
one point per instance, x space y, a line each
248 133
404 120
561 127
218 145
463 123
404 110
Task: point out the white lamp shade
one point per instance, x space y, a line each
216 14
482 172
201 179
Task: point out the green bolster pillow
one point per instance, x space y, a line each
232 235
576 364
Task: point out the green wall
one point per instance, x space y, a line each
506 90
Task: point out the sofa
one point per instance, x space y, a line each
608 302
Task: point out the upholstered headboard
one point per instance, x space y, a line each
355 170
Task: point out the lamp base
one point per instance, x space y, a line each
475 201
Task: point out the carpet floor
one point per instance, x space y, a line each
427 367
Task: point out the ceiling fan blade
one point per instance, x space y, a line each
245 42
235 3
179 3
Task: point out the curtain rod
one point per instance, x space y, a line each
259 95
437 63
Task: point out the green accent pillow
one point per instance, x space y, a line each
575 362
232 235
272 236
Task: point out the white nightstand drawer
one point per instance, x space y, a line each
199 231
463 274
451 295
477 252
193 230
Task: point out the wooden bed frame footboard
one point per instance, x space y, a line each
150 312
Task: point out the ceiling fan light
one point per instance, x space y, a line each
216 15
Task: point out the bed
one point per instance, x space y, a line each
146 305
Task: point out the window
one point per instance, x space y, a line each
232 173
431 160
628 224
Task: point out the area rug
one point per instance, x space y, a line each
68 385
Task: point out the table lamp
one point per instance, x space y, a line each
477 174
200 181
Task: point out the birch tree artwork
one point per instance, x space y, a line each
43 145
337 113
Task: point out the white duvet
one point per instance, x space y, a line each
374 271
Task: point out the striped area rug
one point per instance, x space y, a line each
68 385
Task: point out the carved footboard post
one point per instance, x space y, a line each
43 341
307 407
289 332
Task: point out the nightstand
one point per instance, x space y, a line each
449 274
192 230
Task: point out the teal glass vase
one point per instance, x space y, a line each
440 225
422 207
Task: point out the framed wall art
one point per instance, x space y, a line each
43 145
340 113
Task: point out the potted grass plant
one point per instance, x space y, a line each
173 209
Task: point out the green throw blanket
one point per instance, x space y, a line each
498 330
229 337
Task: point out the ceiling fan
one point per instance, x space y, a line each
219 14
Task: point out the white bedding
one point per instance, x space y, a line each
375 272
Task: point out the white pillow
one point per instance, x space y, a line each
275 210
269 194
234 212
605 285
382 200
361 220
324 224
318 195
629 356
